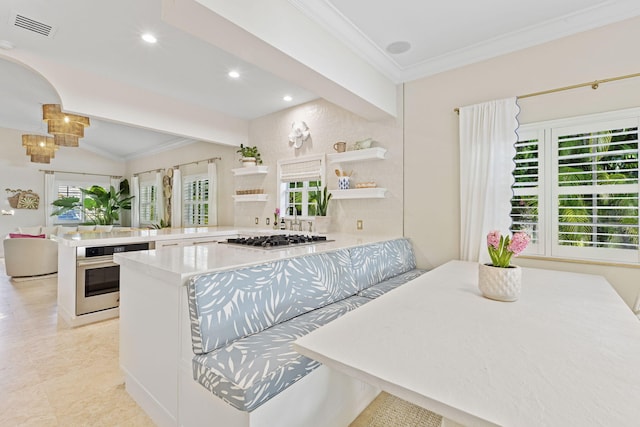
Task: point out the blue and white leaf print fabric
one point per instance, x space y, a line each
243 321
253 369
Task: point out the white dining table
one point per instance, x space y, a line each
566 353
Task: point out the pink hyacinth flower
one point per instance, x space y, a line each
518 243
493 239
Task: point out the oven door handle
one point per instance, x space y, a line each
96 261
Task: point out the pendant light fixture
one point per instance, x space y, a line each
41 148
66 128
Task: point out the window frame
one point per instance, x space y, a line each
549 131
306 189
204 204
150 204
74 183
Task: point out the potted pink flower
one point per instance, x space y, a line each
500 280
502 248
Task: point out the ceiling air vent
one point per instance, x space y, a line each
33 25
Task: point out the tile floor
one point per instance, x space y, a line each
55 376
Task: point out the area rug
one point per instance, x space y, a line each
30 278
390 411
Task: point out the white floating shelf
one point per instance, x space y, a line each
358 155
251 170
359 193
251 197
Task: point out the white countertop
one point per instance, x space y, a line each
181 262
129 235
565 354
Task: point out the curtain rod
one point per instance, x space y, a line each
150 170
80 173
594 85
198 161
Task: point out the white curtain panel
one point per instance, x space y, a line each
487 138
212 175
135 203
159 196
50 195
176 199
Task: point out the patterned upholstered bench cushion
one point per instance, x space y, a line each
251 370
377 262
390 284
229 305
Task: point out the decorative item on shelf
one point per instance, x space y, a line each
343 183
276 218
500 280
369 184
322 221
340 147
250 156
299 133
66 128
252 191
361 145
41 148
23 199
99 205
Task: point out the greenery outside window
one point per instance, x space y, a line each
576 187
300 182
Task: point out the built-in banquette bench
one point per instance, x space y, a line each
243 322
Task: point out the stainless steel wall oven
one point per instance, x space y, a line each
98 277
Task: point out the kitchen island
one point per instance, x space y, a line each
155 333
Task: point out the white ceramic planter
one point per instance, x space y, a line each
322 224
501 284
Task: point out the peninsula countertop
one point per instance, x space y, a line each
124 235
178 263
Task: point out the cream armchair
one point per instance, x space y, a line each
30 257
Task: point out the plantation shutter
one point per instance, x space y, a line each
195 200
307 170
527 185
596 188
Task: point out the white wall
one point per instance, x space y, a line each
17 172
192 153
328 124
431 128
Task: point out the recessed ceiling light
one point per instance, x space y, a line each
234 74
398 47
149 38
287 98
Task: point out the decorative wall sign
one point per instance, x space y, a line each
23 199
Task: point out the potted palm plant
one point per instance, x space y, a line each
322 221
250 156
99 206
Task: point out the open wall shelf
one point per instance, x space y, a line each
251 170
358 155
359 193
251 197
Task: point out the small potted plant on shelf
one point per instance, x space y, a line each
250 156
322 221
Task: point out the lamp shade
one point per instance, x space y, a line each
41 148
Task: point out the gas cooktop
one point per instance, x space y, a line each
277 241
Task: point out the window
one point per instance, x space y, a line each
195 200
148 205
300 182
73 216
68 186
576 187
